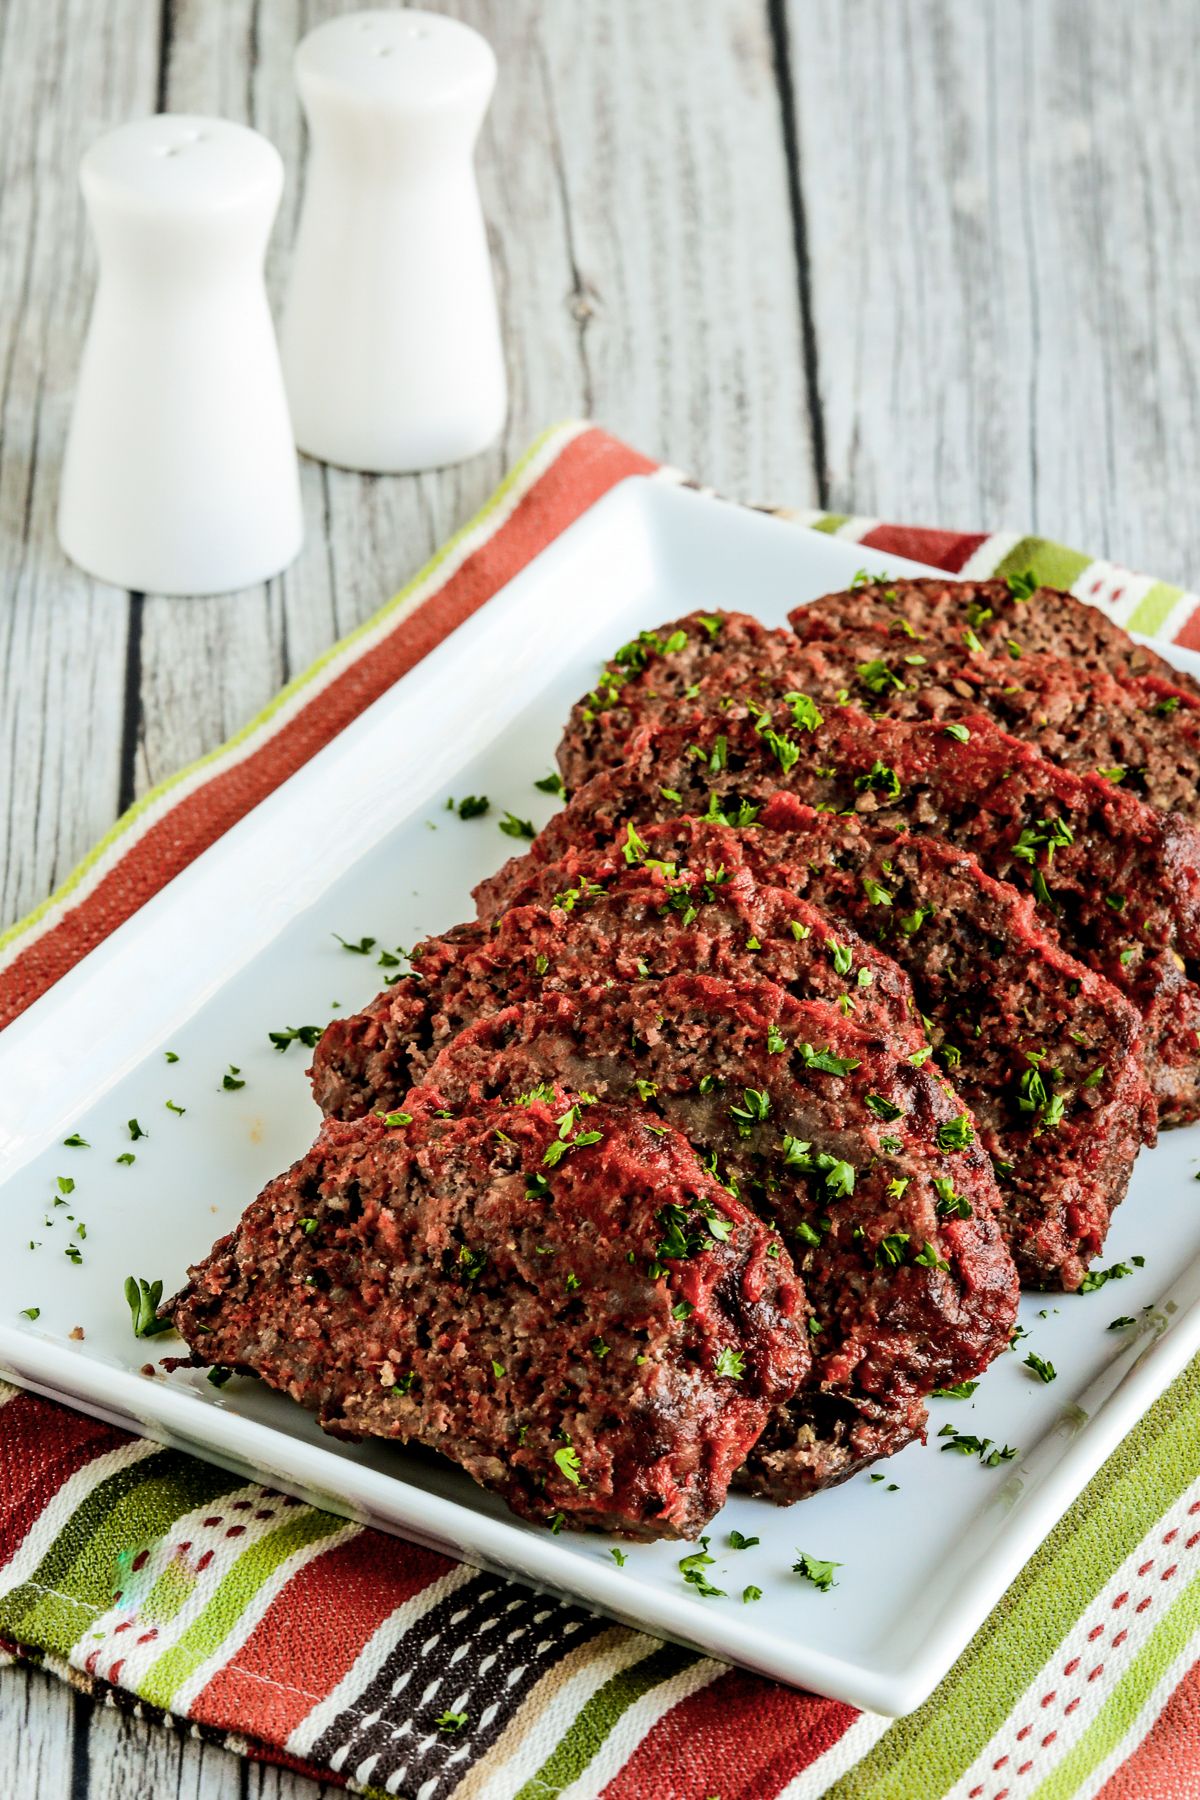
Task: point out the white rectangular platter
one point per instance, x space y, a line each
359 843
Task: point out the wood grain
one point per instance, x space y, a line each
926 259
1005 299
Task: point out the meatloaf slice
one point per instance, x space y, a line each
1044 1051
649 919
1138 731
868 1166
656 676
997 613
598 1336
1118 883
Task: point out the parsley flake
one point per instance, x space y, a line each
567 1460
142 1299
815 1570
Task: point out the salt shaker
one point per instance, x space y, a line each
180 474
391 341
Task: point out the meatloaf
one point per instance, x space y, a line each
1044 1051
658 675
1131 732
649 919
1007 611
1117 882
579 1316
868 1165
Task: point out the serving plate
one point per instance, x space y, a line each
359 843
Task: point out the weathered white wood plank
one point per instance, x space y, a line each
37 1735
126 1757
62 637
1004 285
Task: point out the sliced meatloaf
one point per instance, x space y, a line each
1137 732
1117 882
868 1165
1044 1051
585 1321
658 674
997 614
648 920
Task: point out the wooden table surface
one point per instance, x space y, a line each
927 261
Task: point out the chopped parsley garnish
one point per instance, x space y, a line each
171 1107
220 1375
66 1184
451 1721
825 1062
929 1258
919 1058
955 1134
142 1299
1114 774
815 1570
30 1312
308 1035
785 750
552 784
877 678
471 806
394 1119
511 826
1167 706
75 1142
127 1157
567 1460
966 1444
751 1593
754 1109
730 1363
1022 586
1096 1278
1045 1371
1121 1324
879 779
800 932
877 894
950 1205
231 1080
364 946
806 714
738 1542
883 1109
958 732
962 1390
170 1056
912 922
842 956
889 1252
471 1262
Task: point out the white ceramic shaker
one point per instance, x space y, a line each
391 341
180 474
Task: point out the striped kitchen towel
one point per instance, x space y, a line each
183 1593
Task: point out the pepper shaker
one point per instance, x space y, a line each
391 341
180 473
